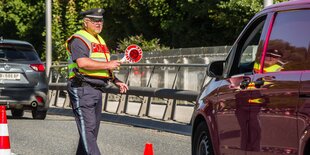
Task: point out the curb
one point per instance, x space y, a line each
168 126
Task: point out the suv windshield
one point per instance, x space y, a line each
17 54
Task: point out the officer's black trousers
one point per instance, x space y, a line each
87 105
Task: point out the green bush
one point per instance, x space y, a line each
147 46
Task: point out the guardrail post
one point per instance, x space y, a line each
122 105
171 104
146 103
123 102
105 99
50 92
56 97
170 110
145 106
67 101
54 94
53 97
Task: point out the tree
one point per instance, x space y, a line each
168 23
146 45
22 20
231 17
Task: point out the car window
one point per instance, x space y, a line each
288 47
249 49
249 45
16 54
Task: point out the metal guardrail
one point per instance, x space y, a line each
172 95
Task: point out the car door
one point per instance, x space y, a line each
304 99
304 109
278 80
232 110
277 117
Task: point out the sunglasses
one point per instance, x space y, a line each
95 20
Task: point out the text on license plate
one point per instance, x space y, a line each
9 76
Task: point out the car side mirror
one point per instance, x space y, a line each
215 69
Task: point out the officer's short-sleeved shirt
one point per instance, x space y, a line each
78 49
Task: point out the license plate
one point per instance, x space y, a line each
9 76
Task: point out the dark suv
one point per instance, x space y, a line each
23 82
258 101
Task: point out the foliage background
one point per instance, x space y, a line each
153 24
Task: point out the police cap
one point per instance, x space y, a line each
93 13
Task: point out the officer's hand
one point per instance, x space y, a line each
122 86
113 64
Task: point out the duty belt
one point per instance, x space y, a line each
78 83
85 84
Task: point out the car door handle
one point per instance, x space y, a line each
304 95
244 84
265 81
259 83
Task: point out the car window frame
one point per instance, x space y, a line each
236 50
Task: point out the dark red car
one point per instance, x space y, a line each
258 101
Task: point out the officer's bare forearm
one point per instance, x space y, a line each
89 64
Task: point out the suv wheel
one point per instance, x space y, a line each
36 114
201 142
17 113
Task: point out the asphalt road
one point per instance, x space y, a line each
57 135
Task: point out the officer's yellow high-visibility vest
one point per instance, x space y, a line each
97 51
273 68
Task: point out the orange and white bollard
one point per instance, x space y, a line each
5 148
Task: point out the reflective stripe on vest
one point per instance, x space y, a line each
97 51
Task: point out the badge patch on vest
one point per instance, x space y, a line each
99 48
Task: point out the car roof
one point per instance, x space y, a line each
16 42
292 4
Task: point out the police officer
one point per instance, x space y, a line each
90 70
